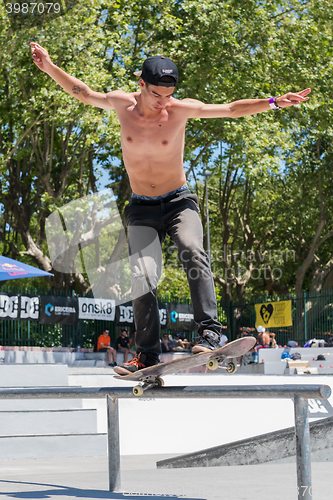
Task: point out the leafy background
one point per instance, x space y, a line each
270 194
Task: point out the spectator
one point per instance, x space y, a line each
122 344
181 344
131 344
329 343
223 340
291 343
172 343
104 345
166 346
246 358
265 339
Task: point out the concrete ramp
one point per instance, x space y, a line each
274 446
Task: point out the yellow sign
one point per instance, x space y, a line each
273 314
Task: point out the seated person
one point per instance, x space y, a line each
223 340
165 344
265 339
247 357
103 345
131 344
123 344
181 344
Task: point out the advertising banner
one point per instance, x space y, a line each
164 319
124 315
29 307
19 307
100 309
9 306
181 317
62 310
274 314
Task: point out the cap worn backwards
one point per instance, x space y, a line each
154 68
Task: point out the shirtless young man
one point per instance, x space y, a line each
152 138
265 339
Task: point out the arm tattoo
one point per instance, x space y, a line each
78 88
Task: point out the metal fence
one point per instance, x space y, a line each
32 333
84 334
312 315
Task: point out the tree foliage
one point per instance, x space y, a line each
270 194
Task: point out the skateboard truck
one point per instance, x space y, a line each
215 363
148 383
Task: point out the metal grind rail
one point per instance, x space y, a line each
299 393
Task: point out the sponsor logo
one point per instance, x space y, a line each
126 314
174 316
163 316
167 71
29 307
48 309
8 306
64 310
98 308
182 317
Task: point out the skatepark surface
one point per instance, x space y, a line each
87 478
174 427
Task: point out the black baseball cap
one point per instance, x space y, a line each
154 68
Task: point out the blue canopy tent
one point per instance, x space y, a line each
12 269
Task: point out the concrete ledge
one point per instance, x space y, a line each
42 357
275 367
31 375
41 349
96 355
98 359
251 368
258 450
307 353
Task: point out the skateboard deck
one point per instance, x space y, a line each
151 376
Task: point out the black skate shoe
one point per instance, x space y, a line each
209 341
138 363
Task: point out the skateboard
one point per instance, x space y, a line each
151 376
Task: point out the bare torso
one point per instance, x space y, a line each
265 338
152 146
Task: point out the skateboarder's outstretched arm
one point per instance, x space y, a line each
72 85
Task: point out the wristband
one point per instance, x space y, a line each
273 103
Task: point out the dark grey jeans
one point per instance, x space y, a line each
148 221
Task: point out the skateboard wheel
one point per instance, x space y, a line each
212 364
137 390
159 382
231 368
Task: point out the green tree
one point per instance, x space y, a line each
50 143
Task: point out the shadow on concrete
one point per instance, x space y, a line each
65 491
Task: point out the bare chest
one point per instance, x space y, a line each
158 134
